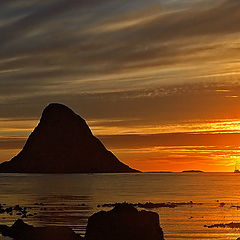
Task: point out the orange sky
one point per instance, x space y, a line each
209 146
158 81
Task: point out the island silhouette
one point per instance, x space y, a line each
62 142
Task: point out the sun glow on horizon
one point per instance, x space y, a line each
209 146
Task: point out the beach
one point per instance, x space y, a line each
69 199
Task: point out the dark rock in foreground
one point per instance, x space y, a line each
150 205
63 143
22 231
124 222
16 209
224 225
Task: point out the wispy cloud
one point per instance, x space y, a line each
55 42
140 64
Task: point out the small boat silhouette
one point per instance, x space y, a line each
237 170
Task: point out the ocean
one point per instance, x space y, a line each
69 199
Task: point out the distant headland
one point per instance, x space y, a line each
192 171
62 142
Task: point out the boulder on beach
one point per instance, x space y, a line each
22 231
124 222
63 143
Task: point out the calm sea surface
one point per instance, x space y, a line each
68 200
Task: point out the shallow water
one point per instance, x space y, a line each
68 200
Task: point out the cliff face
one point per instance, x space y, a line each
63 143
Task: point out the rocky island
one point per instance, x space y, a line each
62 142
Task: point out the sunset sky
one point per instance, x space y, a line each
158 81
